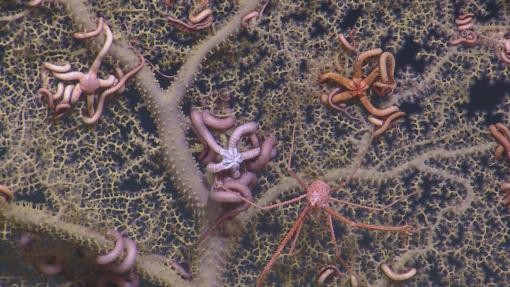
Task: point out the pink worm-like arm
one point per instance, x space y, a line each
252 15
375 111
247 128
465 26
231 189
387 123
202 132
95 117
129 259
75 96
49 265
254 140
108 82
326 272
348 46
60 91
70 76
249 154
194 27
207 155
397 276
33 3
109 279
334 98
503 56
375 121
387 69
86 35
248 179
6 193
500 133
265 154
57 68
466 37
200 16
106 47
218 123
116 251
46 96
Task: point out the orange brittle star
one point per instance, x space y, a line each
380 78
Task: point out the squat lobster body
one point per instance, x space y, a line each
318 194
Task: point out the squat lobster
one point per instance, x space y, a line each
318 196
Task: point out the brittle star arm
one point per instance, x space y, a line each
198 123
341 97
95 117
94 68
375 111
358 65
343 81
247 128
347 221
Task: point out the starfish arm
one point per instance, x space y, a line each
286 239
345 220
375 111
69 76
358 65
247 128
343 81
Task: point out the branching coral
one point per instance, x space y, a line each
134 171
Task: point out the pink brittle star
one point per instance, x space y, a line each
89 83
497 40
196 20
465 26
232 158
318 196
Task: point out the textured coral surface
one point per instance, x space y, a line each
135 171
